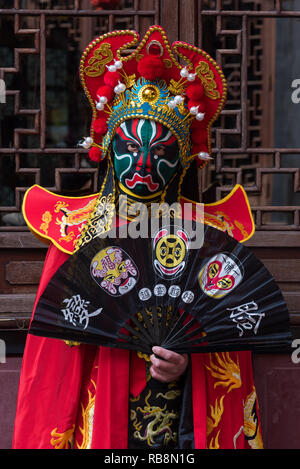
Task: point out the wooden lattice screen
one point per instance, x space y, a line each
45 113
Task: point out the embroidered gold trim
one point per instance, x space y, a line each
136 53
207 77
96 63
46 218
101 218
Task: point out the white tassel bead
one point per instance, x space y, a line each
119 88
122 87
102 100
99 106
184 72
87 143
194 110
200 116
111 68
178 99
118 64
172 104
191 76
204 156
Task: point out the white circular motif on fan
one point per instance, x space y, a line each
188 296
160 290
174 291
220 275
145 294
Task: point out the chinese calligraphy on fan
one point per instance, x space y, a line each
76 311
246 317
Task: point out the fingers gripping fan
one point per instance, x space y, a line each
136 293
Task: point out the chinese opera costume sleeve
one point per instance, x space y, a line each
151 121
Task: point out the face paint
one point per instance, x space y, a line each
146 155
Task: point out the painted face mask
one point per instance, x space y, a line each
146 155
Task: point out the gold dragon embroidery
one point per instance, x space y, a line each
72 217
87 419
213 421
62 440
216 412
214 442
160 423
251 424
225 370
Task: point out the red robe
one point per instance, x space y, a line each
77 396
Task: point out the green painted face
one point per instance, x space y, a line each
146 156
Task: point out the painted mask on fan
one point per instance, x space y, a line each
114 271
170 251
146 156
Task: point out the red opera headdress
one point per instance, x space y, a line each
151 84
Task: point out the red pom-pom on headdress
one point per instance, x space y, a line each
195 92
100 126
112 79
151 67
95 154
106 91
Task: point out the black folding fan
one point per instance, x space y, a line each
161 290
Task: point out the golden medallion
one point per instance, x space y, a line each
149 94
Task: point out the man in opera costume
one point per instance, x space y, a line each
151 128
